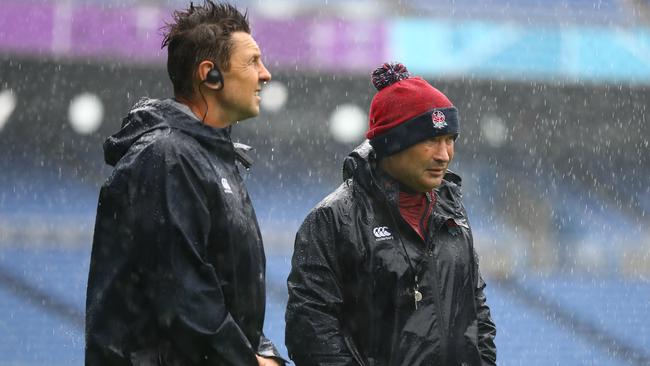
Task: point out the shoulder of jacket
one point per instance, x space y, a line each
337 199
164 147
335 204
172 141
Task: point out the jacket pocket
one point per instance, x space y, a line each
471 354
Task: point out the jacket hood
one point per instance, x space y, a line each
152 114
358 164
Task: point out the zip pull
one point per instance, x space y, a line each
417 295
241 155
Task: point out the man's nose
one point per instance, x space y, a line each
265 75
440 152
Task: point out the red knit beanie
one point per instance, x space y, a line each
406 110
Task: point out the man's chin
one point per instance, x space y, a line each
255 112
432 181
251 114
427 186
435 183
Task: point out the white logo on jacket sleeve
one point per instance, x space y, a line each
226 185
382 233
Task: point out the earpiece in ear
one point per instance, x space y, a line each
214 79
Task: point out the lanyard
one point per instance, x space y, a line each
417 295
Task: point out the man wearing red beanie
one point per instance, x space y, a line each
384 270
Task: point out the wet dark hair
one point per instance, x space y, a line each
197 34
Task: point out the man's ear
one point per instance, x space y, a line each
203 69
210 75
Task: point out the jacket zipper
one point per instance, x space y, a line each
438 301
436 283
429 244
424 217
434 274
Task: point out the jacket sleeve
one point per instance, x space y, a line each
314 332
266 348
172 221
487 331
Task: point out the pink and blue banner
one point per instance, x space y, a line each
430 47
132 34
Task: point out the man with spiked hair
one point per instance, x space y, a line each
177 271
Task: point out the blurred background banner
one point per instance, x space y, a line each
521 51
554 152
341 42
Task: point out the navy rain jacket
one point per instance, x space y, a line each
177 266
351 288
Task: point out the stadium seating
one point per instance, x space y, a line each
600 302
33 334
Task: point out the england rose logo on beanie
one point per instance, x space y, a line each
438 119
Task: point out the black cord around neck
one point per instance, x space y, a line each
399 238
397 232
204 102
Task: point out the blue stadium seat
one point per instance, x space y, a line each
617 306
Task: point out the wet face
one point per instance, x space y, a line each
422 166
240 96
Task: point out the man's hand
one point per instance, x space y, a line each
263 361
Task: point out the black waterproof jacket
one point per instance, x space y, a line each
177 266
351 288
